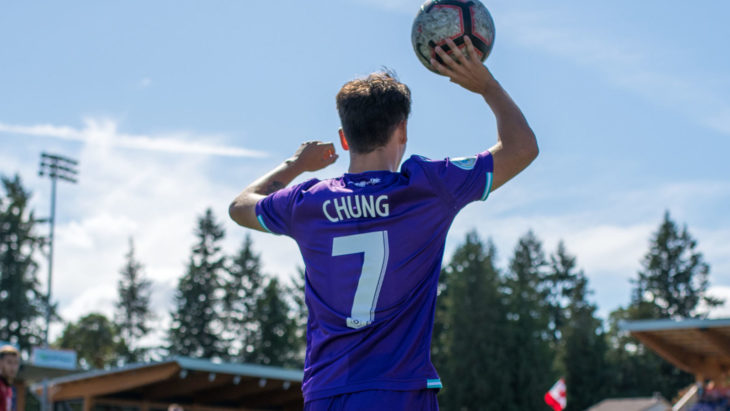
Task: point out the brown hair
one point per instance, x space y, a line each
371 108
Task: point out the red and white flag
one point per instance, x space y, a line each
556 397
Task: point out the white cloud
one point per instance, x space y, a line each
145 82
104 132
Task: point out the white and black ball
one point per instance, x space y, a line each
438 20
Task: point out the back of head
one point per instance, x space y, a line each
371 108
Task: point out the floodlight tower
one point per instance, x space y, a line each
55 167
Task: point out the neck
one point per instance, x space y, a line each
376 160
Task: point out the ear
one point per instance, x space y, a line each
403 132
343 140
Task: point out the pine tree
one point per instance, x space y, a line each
470 343
133 307
22 304
300 312
243 287
529 353
583 347
276 342
197 322
674 275
672 283
96 341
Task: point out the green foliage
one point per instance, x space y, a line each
95 339
674 275
22 304
582 345
243 288
197 322
276 340
468 344
672 283
133 307
529 350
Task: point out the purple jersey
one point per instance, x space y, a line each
372 244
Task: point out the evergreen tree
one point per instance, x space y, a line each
197 322
672 283
95 339
243 288
133 307
22 304
561 281
529 352
470 343
674 275
301 313
583 347
276 341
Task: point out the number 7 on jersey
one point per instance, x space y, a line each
374 247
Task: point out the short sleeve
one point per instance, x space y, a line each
462 179
275 210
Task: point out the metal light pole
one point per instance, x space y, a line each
55 167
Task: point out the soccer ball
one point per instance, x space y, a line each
439 20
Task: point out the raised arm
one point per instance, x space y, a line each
311 156
516 145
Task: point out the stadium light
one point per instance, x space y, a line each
55 167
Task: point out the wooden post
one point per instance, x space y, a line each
88 403
20 391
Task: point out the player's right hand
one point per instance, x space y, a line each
314 155
464 69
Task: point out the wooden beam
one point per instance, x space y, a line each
114 382
719 341
164 405
188 386
280 398
230 393
675 355
270 395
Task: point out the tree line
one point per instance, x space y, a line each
502 335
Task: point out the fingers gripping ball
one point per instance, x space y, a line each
439 20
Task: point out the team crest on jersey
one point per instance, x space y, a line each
464 163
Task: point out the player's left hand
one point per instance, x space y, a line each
314 155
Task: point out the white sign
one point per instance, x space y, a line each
46 357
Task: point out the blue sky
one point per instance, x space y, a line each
174 106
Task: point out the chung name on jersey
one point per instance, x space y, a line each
356 206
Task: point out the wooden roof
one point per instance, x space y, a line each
191 382
698 346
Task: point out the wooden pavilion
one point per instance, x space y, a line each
698 346
196 385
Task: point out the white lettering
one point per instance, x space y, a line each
326 214
357 205
348 207
368 206
342 206
383 208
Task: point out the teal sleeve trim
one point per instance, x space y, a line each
488 187
261 221
434 383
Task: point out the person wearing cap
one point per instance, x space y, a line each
9 364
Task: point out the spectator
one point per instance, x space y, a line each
9 364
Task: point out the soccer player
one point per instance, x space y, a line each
373 239
9 364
